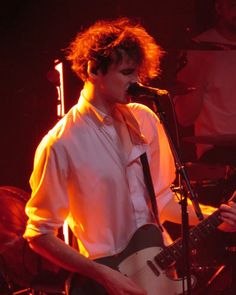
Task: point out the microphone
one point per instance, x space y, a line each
138 90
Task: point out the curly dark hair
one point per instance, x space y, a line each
100 42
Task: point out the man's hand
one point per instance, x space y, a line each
228 216
118 284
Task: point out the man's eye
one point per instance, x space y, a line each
127 72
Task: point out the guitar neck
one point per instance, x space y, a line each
197 234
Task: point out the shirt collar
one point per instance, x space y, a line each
121 111
132 124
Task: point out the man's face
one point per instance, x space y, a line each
227 12
114 83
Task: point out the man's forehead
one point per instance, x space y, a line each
128 61
121 57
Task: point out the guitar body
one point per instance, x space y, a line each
137 261
151 278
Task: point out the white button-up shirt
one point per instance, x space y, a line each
81 174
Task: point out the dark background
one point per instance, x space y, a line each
33 32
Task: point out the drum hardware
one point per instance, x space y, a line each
25 292
221 283
216 274
213 278
231 249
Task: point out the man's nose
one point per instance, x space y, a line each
134 78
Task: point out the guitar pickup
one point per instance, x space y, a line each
153 268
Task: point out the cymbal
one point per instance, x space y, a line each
217 140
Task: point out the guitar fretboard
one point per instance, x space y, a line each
197 234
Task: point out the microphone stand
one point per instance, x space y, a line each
184 189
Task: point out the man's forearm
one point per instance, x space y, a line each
62 255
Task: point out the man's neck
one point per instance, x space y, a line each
94 97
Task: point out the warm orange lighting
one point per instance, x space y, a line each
60 89
60 114
82 250
66 232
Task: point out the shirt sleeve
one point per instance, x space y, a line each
48 206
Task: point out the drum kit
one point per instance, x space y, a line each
218 176
22 271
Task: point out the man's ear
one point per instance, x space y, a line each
91 70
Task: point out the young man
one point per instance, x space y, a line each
87 168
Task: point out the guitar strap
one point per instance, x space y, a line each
150 188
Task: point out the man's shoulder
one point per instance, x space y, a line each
143 114
62 126
140 109
61 130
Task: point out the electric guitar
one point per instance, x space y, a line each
148 262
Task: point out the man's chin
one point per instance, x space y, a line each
125 100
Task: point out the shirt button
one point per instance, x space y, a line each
107 120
